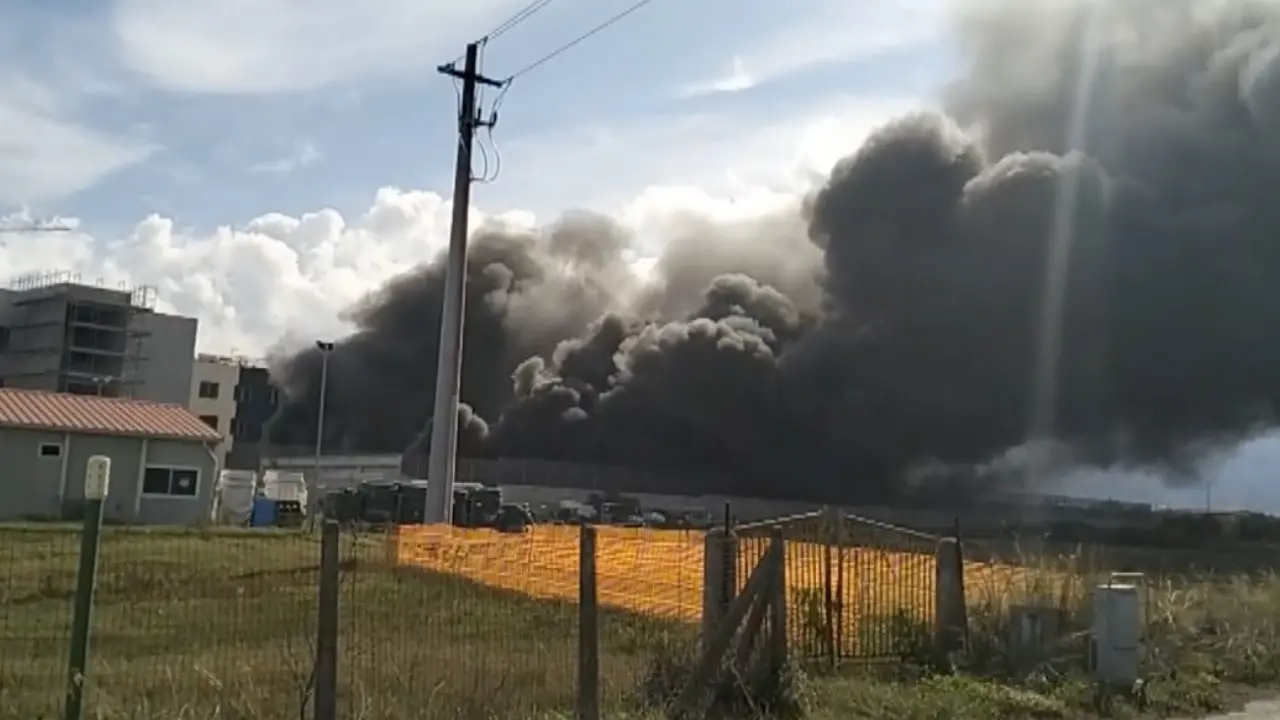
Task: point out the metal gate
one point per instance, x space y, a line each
856 588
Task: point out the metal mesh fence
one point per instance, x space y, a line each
854 588
425 639
433 622
184 622
39 570
650 594
512 610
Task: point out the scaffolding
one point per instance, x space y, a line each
66 336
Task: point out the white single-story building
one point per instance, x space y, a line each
163 461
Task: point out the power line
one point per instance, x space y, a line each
549 56
523 14
503 86
488 131
520 16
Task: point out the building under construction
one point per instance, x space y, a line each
59 335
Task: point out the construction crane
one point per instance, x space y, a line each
29 227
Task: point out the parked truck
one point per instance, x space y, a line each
404 502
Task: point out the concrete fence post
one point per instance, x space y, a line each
97 483
719 579
949 601
326 661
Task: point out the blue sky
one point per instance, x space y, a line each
157 122
207 139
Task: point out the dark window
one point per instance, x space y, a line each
244 393
235 428
179 482
4 338
275 396
50 450
208 390
155 481
210 420
184 483
80 362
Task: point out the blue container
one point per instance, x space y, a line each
264 513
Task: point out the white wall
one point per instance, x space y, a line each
225 374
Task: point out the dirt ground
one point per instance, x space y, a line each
1257 710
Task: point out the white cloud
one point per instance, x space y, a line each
252 284
306 154
730 156
44 154
823 32
737 80
249 46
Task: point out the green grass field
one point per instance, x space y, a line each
203 624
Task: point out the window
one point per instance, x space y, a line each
243 393
171 482
208 390
210 420
274 396
50 450
235 428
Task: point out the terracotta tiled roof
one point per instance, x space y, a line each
92 415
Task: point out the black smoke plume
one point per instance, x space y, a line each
1085 248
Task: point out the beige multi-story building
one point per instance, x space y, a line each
214 380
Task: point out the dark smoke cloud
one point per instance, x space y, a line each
1083 251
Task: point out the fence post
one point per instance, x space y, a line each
326 667
831 521
838 631
778 602
97 483
588 627
719 579
951 614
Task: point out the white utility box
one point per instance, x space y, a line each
1117 633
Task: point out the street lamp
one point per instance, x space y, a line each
325 348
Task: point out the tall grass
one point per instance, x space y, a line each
1205 635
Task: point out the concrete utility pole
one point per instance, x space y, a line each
444 423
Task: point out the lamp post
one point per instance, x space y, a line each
325 348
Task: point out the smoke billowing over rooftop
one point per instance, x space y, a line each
1084 248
